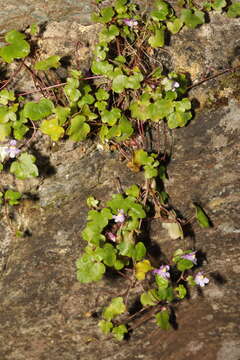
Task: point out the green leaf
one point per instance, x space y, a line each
184 264
139 251
125 129
192 18
178 253
141 268
119 331
150 172
190 280
162 320
101 51
92 202
136 210
7 113
218 5
102 94
157 40
115 308
119 83
51 127
88 113
71 90
126 248
175 26
109 34
161 282
24 167
62 114
119 264
18 48
133 81
140 108
5 131
101 67
183 105
178 119
234 10
34 29
12 197
119 6
161 109
92 234
121 59
89 271
117 203
100 105
108 253
149 298
105 326
201 217
107 14
141 157
207 6
161 12
50 62
14 36
133 191
111 117
19 130
132 224
6 96
100 217
75 74
165 294
79 129
37 111
86 99
182 291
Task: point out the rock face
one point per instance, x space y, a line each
45 314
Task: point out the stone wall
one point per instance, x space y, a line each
45 314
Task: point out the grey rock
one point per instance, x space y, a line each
45 314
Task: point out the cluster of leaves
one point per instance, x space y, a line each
129 88
168 288
10 197
110 243
112 234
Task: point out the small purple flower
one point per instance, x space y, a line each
201 280
111 236
12 149
120 217
191 257
163 271
130 22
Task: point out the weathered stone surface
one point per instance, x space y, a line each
12 15
45 314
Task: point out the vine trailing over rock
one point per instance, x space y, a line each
127 92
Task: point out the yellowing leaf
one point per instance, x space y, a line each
52 128
174 230
142 268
